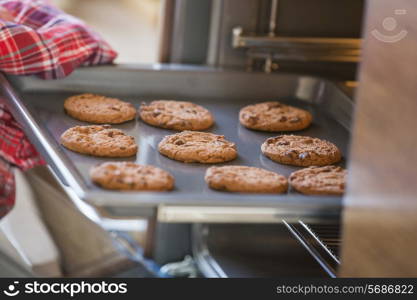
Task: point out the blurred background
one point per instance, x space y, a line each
130 26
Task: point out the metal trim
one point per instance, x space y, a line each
224 214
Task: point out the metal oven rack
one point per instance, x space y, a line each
219 250
227 250
37 105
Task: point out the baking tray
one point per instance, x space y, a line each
38 105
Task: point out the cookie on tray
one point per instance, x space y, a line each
244 179
131 176
194 146
99 140
274 116
301 151
99 109
328 180
176 115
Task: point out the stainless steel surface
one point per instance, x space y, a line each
328 236
248 214
318 43
313 243
269 64
38 105
190 31
224 17
302 55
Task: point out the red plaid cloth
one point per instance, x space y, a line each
7 188
38 39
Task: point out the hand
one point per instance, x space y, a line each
5 15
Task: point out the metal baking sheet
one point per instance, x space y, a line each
39 106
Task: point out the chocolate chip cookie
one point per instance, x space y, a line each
131 176
328 180
99 140
177 115
244 179
194 146
274 116
99 109
301 151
